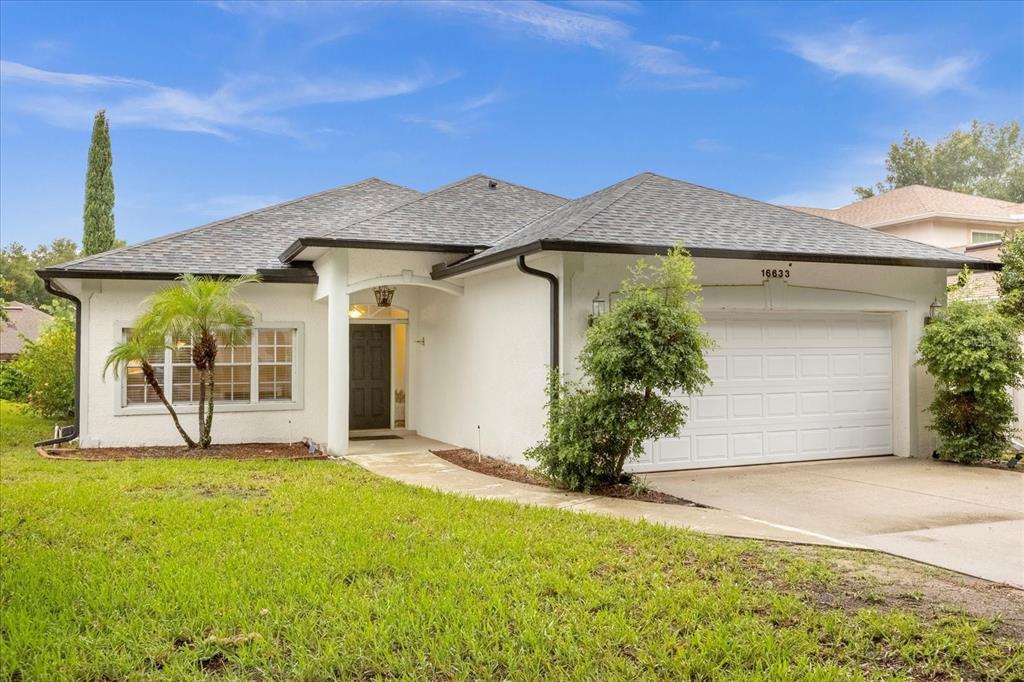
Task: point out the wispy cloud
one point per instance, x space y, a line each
648 64
709 145
898 60
583 24
682 38
439 124
13 71
544 21
658 66
255 103
458 118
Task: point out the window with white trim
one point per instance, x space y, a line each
137 390
985 237
274 360
257 367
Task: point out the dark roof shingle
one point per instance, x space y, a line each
650 210
473 212
252 241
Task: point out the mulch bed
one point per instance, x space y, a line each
296 451
499 468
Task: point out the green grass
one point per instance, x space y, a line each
318 570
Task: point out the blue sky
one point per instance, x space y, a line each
216 108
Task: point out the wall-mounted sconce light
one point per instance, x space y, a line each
598 307
933 310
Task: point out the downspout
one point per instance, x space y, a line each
69 433
553 282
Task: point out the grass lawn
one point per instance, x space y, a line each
316 570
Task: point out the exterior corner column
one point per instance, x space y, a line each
332 271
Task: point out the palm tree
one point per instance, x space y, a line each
198 311
135 351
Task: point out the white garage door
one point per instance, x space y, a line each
787 388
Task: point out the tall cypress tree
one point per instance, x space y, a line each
98 216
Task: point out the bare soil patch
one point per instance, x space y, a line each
499 468
884 582
296 451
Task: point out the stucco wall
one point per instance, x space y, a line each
109 304
948 233
480 358
483 361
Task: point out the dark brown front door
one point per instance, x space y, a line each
369 376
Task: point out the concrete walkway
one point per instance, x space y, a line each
968 519
420 467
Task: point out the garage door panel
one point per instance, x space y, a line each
718 367
711 447
747 368
748 406
787 389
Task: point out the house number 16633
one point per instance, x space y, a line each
775 273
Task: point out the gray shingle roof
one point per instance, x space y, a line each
23 322
475 211
645 213
650 210
252 241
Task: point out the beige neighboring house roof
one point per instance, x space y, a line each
23 321
918 202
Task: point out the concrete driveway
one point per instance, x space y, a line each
963 518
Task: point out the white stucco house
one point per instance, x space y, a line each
816 320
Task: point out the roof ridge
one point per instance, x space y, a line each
422 195
599 207
566 206
443 188
215 223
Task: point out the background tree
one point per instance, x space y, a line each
987 160
1011 278
649 346
135 352
98 216
204 311
18 265
47 367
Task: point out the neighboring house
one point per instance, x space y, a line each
960 222
816 321
23 324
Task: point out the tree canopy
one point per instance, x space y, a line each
18 279
986 160
98 215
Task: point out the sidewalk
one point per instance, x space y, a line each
424 469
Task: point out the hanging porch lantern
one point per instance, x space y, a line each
384 296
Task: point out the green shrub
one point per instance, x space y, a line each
14 384
975 356
648 347
48 366
1011 277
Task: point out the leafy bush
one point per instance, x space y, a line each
13 383
975 356
48 366
647 347
1011 277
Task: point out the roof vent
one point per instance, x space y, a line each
493 184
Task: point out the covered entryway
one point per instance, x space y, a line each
787 387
